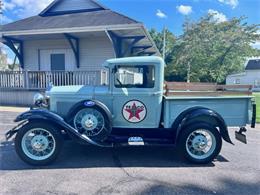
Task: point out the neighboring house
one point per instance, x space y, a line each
251 76
68 42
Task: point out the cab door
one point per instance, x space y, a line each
137 98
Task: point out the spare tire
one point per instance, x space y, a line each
91 118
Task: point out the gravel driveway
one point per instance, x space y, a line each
90 170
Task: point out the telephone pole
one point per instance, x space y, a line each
1 11
164 42
188 72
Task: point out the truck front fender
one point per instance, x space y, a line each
201 114
45 115
39 114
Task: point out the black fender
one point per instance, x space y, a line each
201 114
46 115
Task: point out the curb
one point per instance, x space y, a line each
13 109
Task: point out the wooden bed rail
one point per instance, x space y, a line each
205 89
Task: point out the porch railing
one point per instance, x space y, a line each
42 79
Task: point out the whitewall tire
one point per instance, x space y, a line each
38 143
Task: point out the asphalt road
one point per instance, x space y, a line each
90 170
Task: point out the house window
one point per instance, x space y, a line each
134 76
237 81
58 62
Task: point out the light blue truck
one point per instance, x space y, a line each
131 110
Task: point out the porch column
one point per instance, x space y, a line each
11 42
74 44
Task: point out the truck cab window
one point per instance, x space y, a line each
140 76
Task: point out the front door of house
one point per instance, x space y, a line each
58 62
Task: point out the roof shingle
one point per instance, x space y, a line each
84 19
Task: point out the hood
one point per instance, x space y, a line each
78 90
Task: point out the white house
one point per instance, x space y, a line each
251 76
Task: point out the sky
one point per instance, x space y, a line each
153 13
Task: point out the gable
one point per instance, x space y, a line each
60 7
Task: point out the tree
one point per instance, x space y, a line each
3 59
209 50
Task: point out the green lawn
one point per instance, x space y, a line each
257 95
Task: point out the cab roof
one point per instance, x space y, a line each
135 60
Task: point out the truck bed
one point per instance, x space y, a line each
232 102
236 110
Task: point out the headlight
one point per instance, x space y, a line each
38 99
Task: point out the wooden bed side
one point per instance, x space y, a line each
205 89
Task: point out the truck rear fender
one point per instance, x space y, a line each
56 120
201 114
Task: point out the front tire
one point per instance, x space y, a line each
38 143
200 143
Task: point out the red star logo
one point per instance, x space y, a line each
134 111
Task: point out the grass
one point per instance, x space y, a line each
257 97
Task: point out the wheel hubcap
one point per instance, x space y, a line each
89 124
39 142
200 144
89 121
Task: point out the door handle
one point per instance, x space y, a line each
156 93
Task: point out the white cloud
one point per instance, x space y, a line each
160 14
217 16
184 9
8 5
232 3
25 8
256 45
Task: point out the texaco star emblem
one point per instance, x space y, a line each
134 111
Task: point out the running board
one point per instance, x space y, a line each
138 140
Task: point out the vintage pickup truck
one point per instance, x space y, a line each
131 110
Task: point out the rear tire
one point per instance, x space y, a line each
200 143
38 143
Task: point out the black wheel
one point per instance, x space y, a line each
38 143
91 121
200 143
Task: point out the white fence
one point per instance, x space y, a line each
40 80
